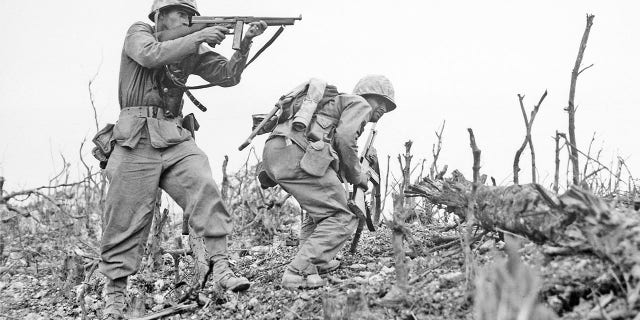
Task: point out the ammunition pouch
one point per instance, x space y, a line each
190 123
322 128
317 158
173 102
104 145
265 181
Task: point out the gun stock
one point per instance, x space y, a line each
259 127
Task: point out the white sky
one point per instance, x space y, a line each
459 61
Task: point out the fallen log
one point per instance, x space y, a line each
519 209
576 219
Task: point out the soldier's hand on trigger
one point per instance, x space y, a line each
213 35
372 155
255 29
364 181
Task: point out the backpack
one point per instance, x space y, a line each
306 99
292 103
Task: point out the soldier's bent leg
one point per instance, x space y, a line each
325 201
306 228
188 180
324 198
134 175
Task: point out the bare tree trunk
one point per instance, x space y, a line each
154 249
435 150
556 176
586 162
406 171
528 122
1 189
616 185
471 207
571 107
402 273
398 292
225 180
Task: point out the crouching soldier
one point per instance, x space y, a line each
152 148
309 156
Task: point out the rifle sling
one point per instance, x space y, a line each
197 103
266 45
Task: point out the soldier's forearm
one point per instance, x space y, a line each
179 32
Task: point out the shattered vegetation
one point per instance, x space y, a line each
572 256
455 249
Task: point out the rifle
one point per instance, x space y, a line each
257 128
357 204
197 23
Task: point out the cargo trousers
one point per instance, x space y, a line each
324 198
181 170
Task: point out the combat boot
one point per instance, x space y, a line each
328 267
114 299
224 278
294 280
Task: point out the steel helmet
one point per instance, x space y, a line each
378 85
161 4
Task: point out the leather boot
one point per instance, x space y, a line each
224 278
220 272
310 279
114 298
328 267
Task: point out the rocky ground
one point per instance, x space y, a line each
42 277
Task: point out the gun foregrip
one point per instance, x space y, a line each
237 34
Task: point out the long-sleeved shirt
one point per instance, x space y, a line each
143 60
354 113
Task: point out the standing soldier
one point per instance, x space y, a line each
310 165
152 149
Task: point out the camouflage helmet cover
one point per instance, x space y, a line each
161 4
377 85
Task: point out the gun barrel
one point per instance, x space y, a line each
271 21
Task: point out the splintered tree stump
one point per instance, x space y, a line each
200 260
137 305
72 272
154 249
1 189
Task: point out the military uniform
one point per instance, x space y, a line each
310 166
153 149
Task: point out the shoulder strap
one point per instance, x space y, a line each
195 101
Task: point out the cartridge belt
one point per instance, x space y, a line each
149 112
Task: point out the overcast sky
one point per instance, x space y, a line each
459 61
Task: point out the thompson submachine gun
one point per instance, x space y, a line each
236 23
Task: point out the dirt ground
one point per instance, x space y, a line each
43 276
